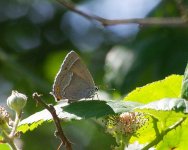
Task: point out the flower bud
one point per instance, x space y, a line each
17 101
126 123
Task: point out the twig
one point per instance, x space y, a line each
160 136
171 21
59 131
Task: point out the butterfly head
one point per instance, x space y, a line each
96 88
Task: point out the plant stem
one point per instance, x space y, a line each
17 120
10 141
10 138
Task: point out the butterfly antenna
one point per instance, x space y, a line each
111 89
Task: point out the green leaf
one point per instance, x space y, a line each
166 110
184 92
176 104
172 136
38 118
170 87
176 139
144 134
164 114
88 109
4 147
77 110
96 108
122 106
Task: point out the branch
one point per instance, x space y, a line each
171 21
160 136
59 131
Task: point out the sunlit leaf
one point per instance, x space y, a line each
170 87
184 92
78 110
144 134
165 114
4 147
176 104
38 118
167 111
176 139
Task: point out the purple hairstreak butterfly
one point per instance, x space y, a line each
73 80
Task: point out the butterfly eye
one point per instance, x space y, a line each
96 88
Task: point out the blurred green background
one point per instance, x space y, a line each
36 35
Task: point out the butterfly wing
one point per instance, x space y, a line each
81 84
79 69
63 77
78 89
73 81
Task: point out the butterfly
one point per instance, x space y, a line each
73 80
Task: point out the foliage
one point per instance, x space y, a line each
184 93
162 114
36 36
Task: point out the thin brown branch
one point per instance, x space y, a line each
59 131
171 21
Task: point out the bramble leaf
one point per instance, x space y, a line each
170 87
